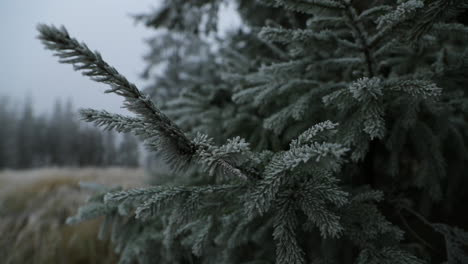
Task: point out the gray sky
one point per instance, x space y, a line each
26 69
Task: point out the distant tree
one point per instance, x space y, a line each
7 126
25 137
42 156
110 149
91 150
54 136
128 153
69 132
59 139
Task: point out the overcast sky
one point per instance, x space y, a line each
26 69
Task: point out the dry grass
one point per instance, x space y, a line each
34 206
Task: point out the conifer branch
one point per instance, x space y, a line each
285 224
309 6
414 233
69 50
281 35
360 35
178 149
215 159
326 156
433 12
392 20
110 121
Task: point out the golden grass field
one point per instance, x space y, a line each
34 205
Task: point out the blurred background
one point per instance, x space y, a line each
46 151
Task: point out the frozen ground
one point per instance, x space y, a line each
34 205
11 180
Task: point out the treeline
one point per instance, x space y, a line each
29 140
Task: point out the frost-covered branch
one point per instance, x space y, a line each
165 135
360 35
69 50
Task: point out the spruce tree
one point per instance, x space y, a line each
326 131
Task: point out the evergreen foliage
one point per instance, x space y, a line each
325 131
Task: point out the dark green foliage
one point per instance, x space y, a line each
327 131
